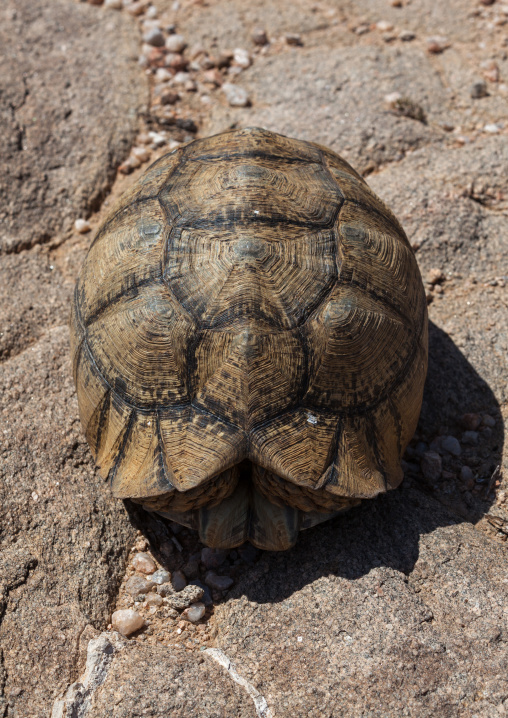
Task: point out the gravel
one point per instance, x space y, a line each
127 621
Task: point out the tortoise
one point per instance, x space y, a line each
249 339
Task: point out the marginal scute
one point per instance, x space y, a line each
249 339
139 469
197 445
296 445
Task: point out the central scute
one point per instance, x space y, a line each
247 245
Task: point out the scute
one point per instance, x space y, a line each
249 339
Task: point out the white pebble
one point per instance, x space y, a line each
195 612
113 4
141 153
160 576
154 599
236 96
175 43
384 26
492 129
144 563
158 139
82 226
392 98
163 75
241 57
126 621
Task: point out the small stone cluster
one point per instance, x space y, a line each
458 468
175 607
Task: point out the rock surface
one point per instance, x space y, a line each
400 606
66 121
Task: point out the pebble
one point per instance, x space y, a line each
195 612
406 35
437 44
218 583
213 557
259 36
181 78
176 43
126 621
163 75
151 12
431 465
82 226
396 3
178 581
362 29
466 474
175 61
478 89
154 37
486 433
169 97
451 445
470 437
154 599
191 569
236 96
488 420
190 594
137 8
434 276
470 422
165 589
492 129
137 584
225 58
160 576
293 39
384 26
130 164
213 77
142 154
392 98
157 139
114 4
144 563
241 57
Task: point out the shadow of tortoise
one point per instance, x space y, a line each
385 531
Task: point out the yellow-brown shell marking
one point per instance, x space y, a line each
249 337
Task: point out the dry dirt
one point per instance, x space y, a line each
399 607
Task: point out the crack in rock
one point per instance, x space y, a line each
260 704
77 700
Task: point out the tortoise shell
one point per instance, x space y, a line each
249 339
